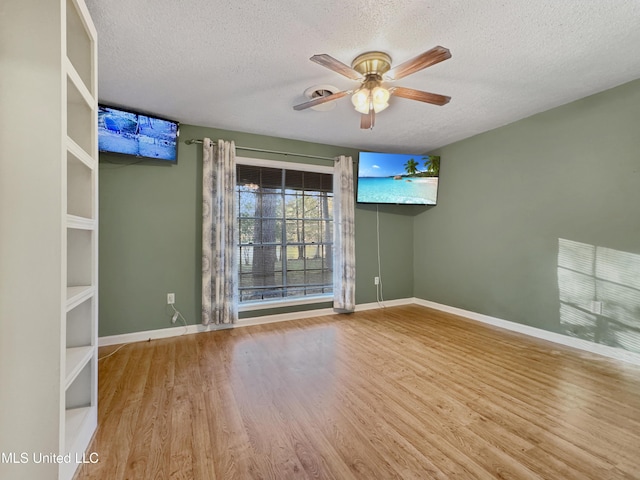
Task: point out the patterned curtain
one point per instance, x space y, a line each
219 235
344 257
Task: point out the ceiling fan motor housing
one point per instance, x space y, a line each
372 63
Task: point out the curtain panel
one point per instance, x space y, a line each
219 233
344 266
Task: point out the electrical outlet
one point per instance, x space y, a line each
376 280
171 298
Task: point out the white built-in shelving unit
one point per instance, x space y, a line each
48 236
79 322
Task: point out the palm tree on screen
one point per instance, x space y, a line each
433 165
411 166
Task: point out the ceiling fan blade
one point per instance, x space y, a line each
419 95
365 121
321 100
368 120
424 60
337 66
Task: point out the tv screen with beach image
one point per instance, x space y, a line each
398 178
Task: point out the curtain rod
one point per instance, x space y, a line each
261 150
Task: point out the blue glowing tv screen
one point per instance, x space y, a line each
398 178
131 133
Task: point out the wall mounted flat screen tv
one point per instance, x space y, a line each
399 179
131 133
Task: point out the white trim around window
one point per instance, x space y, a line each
267 304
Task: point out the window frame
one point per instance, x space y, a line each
285 302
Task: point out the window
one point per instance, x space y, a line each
285 222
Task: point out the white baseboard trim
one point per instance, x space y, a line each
244 322
149 335
611 352
604 350
385 303
177 331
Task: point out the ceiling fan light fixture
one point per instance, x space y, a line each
360 100
364 109
378 107
380 95
380 98
364 99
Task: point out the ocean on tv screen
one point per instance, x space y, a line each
416 191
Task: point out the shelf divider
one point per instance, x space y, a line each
76 359
77 295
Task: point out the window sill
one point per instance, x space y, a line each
267 304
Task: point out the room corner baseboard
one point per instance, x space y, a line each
604 350
384 303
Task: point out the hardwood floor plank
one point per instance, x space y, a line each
147 458
182 449
404 392
160 389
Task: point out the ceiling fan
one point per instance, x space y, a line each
372 69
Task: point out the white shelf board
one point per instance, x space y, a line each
74 419
80 424
73 75
80 153
76 359
77 295
85 17
81 223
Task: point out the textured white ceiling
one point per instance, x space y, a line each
243 65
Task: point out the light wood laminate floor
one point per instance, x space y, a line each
404 392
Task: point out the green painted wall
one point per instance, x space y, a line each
522 206
516 207
150 235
